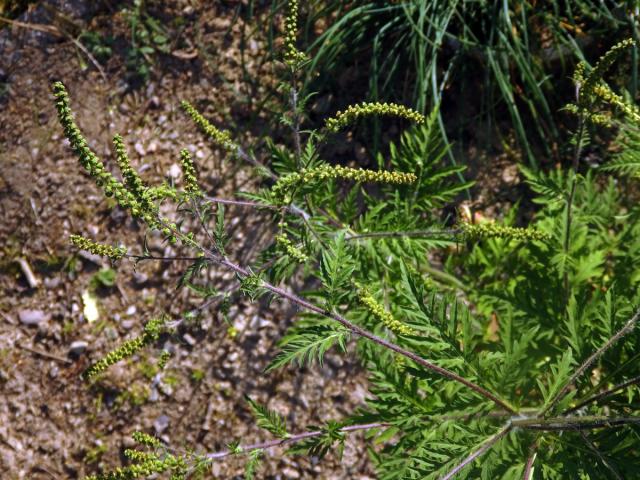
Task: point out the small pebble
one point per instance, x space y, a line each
77 347
32 317
174 171
161 423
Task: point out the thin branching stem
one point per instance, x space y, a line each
295 127
490 442
574 422
240 203
140 258
577 153
528 468
604 394
293 439
399 234
601 457
356 330
628 327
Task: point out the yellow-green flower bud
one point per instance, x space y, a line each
189 174
492 230
294 252
87 158
292 56
378 311
326 172
151 333
146 439
217 136
116 253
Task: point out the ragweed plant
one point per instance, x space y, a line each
493 351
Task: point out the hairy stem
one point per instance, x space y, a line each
490 442
356 330
573 423
416 233
292 439
628 327
601 457
605 394
528 468
577 153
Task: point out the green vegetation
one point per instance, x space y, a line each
495 64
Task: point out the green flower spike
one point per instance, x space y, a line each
492 230
292 56
595 76
378 311
217 136
83 243
294 252
133 181
352 113
163 191
327 172
189 172
591 89
87 158
146 439
151 333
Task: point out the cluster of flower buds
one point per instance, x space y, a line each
371 109
492 230
190 178
326 172
163 191
588 83
151 333
146 439
146 464
294 252
378 311
133 181
591 89
292 56
83 243
217 136
88 159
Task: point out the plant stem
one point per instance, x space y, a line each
140 258
628 327
356 330
485 446
577 153
292 439
528 468
573 423
296 119
416 233
240 203
606 393
600 456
